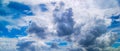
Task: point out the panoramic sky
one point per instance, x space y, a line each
59 25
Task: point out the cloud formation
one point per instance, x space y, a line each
83 26
86 32
64 20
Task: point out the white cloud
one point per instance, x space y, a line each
8 44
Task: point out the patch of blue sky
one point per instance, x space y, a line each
20 8
118 2
118 40
114 22
7 12
15 10
43 7
3 23
58 42
63 43
4 11
48 43
116 45
18 32
1 1
2 26
14 33
115 17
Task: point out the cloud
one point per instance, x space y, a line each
64 20
8 44
38 31
106 40
26 46
112 49
109 4
83 25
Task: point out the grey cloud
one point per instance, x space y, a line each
38 31
64 21
26 46
88 33
91 33
106 40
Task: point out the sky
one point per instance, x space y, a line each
59 25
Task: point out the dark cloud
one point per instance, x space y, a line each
38 31
53 3
27 45
64 21
90 35
54 45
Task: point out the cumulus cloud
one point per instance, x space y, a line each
109 39
83 28
64 20
39 31
26 46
